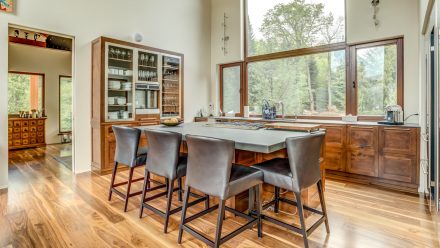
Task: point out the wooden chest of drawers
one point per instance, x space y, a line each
26 133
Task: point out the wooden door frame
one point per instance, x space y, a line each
243 89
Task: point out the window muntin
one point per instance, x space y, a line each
283 25
307 85
65 104
25 92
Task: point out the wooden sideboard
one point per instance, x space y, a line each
381 155
26 133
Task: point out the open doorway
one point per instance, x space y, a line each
40 94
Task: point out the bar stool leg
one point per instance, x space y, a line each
206 202
169 202
127 196
324 208
251 201
301 218
147 176
277 200
183 218
144 191
112 182
221 214
179 184
258 190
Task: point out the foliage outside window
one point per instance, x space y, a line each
376 69
65 104
307 85
231 77
283 25
25 92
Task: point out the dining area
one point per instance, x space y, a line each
197 165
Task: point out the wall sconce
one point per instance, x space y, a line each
375 4
225 37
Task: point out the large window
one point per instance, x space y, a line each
25 92
307 85
65 104
283 25
377 78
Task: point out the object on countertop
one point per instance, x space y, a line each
349 118
269 111
294 126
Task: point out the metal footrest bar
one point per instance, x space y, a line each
304 206
251 222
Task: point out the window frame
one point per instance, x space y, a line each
350 56
352 84
43 93
242 73
59 104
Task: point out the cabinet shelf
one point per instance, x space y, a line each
147 66
119 90
121 60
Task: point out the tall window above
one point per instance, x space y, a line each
65 104
25 92
283 25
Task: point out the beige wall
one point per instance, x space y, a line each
397 18
53 64
177 25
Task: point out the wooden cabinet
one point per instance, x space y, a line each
399 154
335 147
26 133
362 156
138 66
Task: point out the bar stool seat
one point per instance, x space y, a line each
277 173
242 178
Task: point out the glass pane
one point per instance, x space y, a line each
120 84
231 89
171 87
281 25
377 79
25 92
307 85
65 104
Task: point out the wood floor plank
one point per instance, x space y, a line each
47 206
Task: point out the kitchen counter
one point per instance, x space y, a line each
329 122
261 140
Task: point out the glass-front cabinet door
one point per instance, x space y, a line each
119 83
171 87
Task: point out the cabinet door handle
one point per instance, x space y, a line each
354 84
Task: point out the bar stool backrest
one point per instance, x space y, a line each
163 152
127 144
304 153
209 164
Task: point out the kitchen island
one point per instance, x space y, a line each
252 145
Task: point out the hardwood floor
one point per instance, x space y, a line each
46 206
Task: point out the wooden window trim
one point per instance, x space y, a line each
59 104
352 80
350 56
242 91
43 76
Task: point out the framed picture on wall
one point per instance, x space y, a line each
6 5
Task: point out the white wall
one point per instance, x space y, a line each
53 64
177 25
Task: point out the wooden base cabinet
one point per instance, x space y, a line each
362 155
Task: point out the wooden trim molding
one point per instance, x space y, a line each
242 94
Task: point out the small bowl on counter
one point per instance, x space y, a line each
171 122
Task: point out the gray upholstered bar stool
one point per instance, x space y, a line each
127 153
298 172
164 160
210 170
